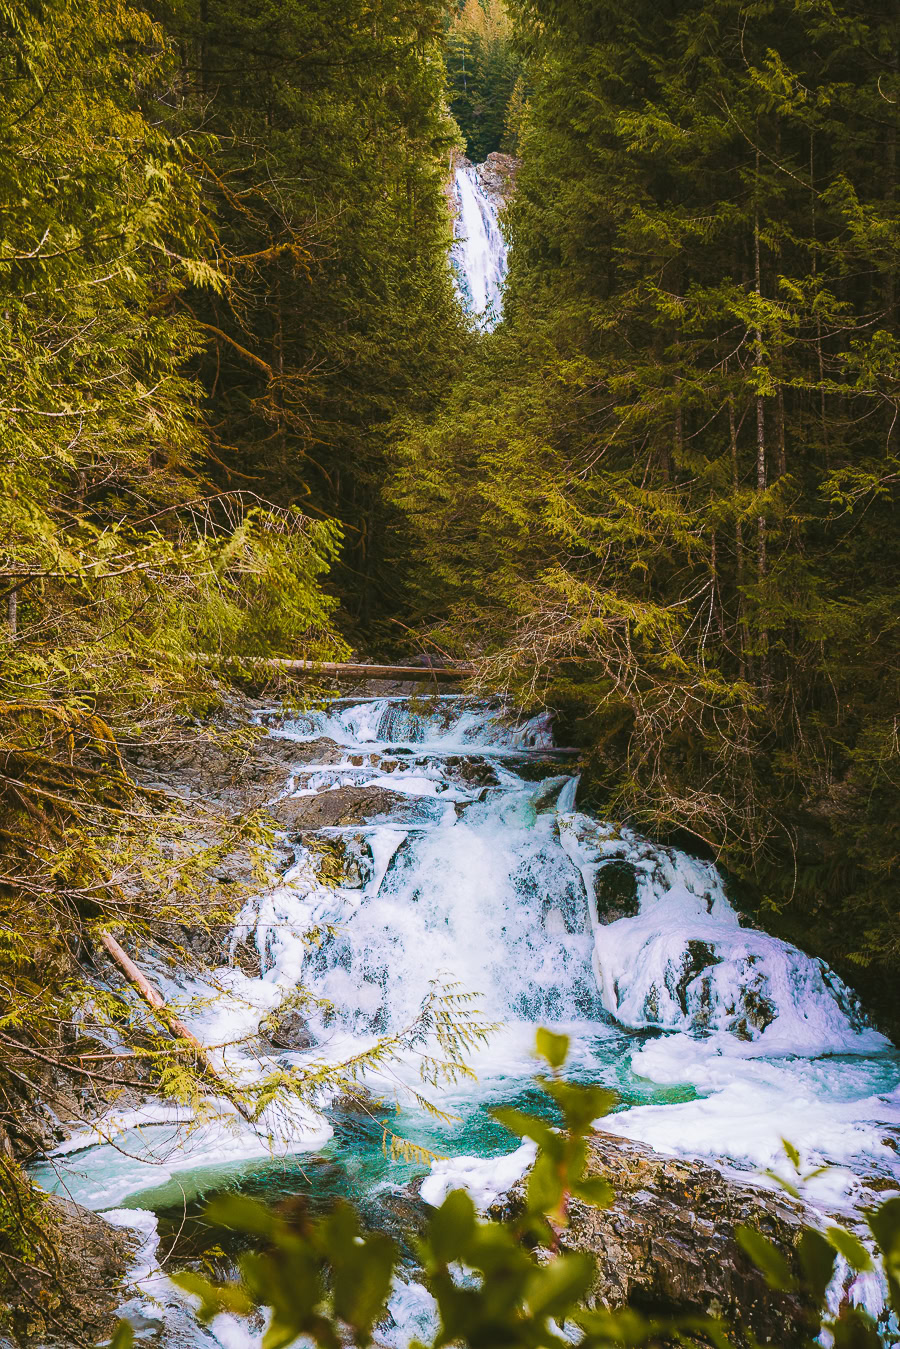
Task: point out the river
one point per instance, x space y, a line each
483 873
473 872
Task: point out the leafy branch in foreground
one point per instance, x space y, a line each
506 1283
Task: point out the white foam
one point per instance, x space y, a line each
156 1303
483 1178
836 1112
146 1155
479 250
684 962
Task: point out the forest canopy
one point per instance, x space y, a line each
666 486
243 415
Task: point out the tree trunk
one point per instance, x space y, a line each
738 541
157 1003
760 453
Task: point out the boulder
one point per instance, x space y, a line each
666 1246
353 805
615 890
288 1030
321 751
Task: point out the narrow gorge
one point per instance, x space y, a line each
545 356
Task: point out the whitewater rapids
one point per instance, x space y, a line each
721 1039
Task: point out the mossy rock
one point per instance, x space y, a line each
615 890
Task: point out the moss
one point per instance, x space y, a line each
615 890
697 958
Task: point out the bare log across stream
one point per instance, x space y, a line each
353 670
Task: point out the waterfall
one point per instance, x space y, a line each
479 251
472 862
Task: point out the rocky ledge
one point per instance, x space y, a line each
666 1246
66 1294
498 176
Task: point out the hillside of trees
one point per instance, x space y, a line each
667 485
242 414
486 84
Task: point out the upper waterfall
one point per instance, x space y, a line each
479 252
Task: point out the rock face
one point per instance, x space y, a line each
288 1031
352 805
232 776
498 176
667 1245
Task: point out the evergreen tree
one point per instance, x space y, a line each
483 74
119 561
322 147
665 492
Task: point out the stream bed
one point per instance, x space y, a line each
468 867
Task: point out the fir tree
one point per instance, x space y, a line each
665 492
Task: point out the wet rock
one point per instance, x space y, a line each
344 861
353 805
245 957
666 1246
472 770
288 1030
547 795
233 773
321 751
208 944
409 1212
532 769
357 1101
615 890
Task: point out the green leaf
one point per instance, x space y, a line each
526 1126
817 1257
279 1334
242 1214
214 1298
792 1154
594 1190
554 1048
850 1247
855 1329
557 1289
545 1186
766 1257
785 1185
451 1227
123 1336
884 1223
580 1104
362 1282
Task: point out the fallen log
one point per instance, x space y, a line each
352 669
157 1003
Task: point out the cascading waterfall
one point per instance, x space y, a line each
479 252
720 1039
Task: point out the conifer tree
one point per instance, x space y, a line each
666 491
322 147
483 73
